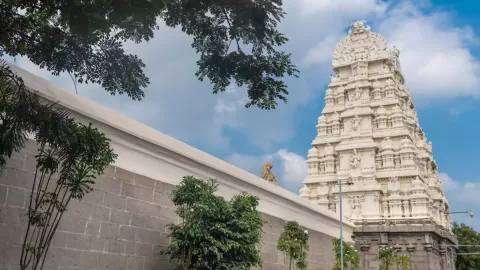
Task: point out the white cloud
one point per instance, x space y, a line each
323 51
341 7
435 55
290 168
462 196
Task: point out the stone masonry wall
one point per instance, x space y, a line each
120 225
424 245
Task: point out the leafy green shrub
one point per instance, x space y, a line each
351 259
213 233
387 256
294 242
403 261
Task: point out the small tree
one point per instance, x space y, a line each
213 233
69 158
294 242
351 259
387 256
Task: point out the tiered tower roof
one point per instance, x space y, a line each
369 133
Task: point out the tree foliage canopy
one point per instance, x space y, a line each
214 233
467 236
237 41
294 242
22 113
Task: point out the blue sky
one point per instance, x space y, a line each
440 54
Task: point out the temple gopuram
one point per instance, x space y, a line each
369 136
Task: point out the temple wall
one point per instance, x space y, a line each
121 224
428 246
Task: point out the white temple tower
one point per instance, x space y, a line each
369 133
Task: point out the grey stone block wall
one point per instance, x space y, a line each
120 225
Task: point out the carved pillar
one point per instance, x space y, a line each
441 215
378 162
322 126
383 240
341 98
387 160
381 122
329 97
329 162
323 193
406 208
313 166
444 255
385 211
420 199
377 93
428 243
395 205
336 128
397 117
389 92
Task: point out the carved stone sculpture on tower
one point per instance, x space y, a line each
267 173
354 160
356 120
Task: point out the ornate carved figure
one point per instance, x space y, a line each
356 207
361 44
383 238
354 160
361 67
356 122
355 95
267 173
358 94
393 57
359 27
393 184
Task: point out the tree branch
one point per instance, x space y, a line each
231 28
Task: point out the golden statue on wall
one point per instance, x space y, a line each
267 173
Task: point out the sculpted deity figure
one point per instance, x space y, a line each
356 122
356 208
359 69
267 173
358 94
359 27
354 160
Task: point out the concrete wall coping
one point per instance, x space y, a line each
138 142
